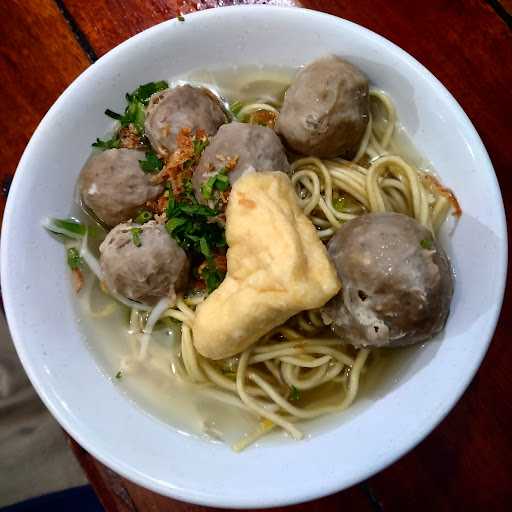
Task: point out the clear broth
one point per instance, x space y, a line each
154 387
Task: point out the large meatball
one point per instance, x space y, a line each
326 109
397 282
256 148
182 107
143 263
113 185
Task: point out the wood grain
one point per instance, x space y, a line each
120 495
106 23
39 57
507 5
466 462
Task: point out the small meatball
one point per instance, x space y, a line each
253 148
277 266
182 107
143 263
397 282
325 110
113 185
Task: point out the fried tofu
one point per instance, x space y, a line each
277 266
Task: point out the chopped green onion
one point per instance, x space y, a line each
207 187
152 163
134 112
113 115
112 143
143 217
74 259
67 227
426 244
144 92
136 232
295 394
235 107
222 182
199 146
340 203
218 182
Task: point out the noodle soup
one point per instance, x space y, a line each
296 371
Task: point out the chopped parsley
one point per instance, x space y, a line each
295 394
426 243
143 217
218 182
152 163
136 232
190 224
74 259
212 276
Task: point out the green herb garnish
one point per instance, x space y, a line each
199 146
218 182
70 228
113 115
134 112
212 276
295 394
136 232
144 92
112 143
152 163
143 217
119 375
180 17
426 243
74 259
235 107
190 224
339 204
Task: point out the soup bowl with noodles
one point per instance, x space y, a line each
272 256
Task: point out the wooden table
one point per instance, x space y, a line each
466 463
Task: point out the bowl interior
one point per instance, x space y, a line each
379 428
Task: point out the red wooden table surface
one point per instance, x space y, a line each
466 463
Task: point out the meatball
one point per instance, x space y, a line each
143 263
182 107
326 109
257 148
397 282
113 185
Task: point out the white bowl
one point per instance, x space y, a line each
346 449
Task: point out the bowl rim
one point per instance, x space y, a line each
305 493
